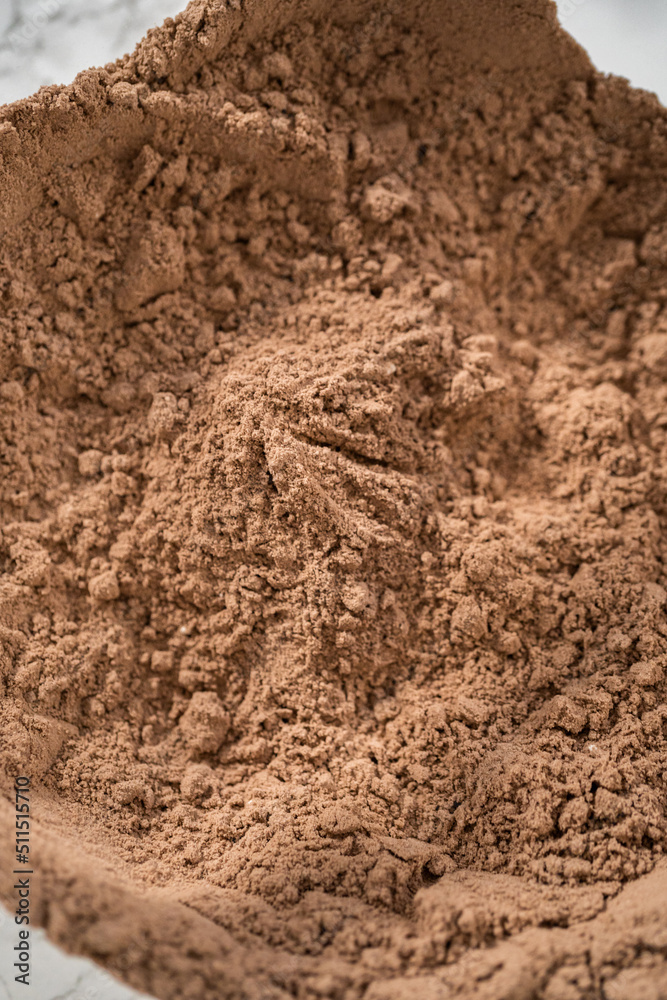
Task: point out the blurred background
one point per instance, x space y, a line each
625 37
54 975
50 41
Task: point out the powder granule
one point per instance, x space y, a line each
332 554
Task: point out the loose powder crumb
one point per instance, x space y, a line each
333 382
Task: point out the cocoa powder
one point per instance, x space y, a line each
332 548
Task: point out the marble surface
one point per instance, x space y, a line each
625 37
54 975
50 41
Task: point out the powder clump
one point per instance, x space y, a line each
332 525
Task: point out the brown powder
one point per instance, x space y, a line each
332 547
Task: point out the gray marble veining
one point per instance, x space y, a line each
53 974
50 41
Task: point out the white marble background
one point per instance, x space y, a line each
54 975
625 37
50 41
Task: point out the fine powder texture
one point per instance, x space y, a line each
333 382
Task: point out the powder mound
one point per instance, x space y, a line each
333 603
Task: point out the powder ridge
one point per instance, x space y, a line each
332 518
